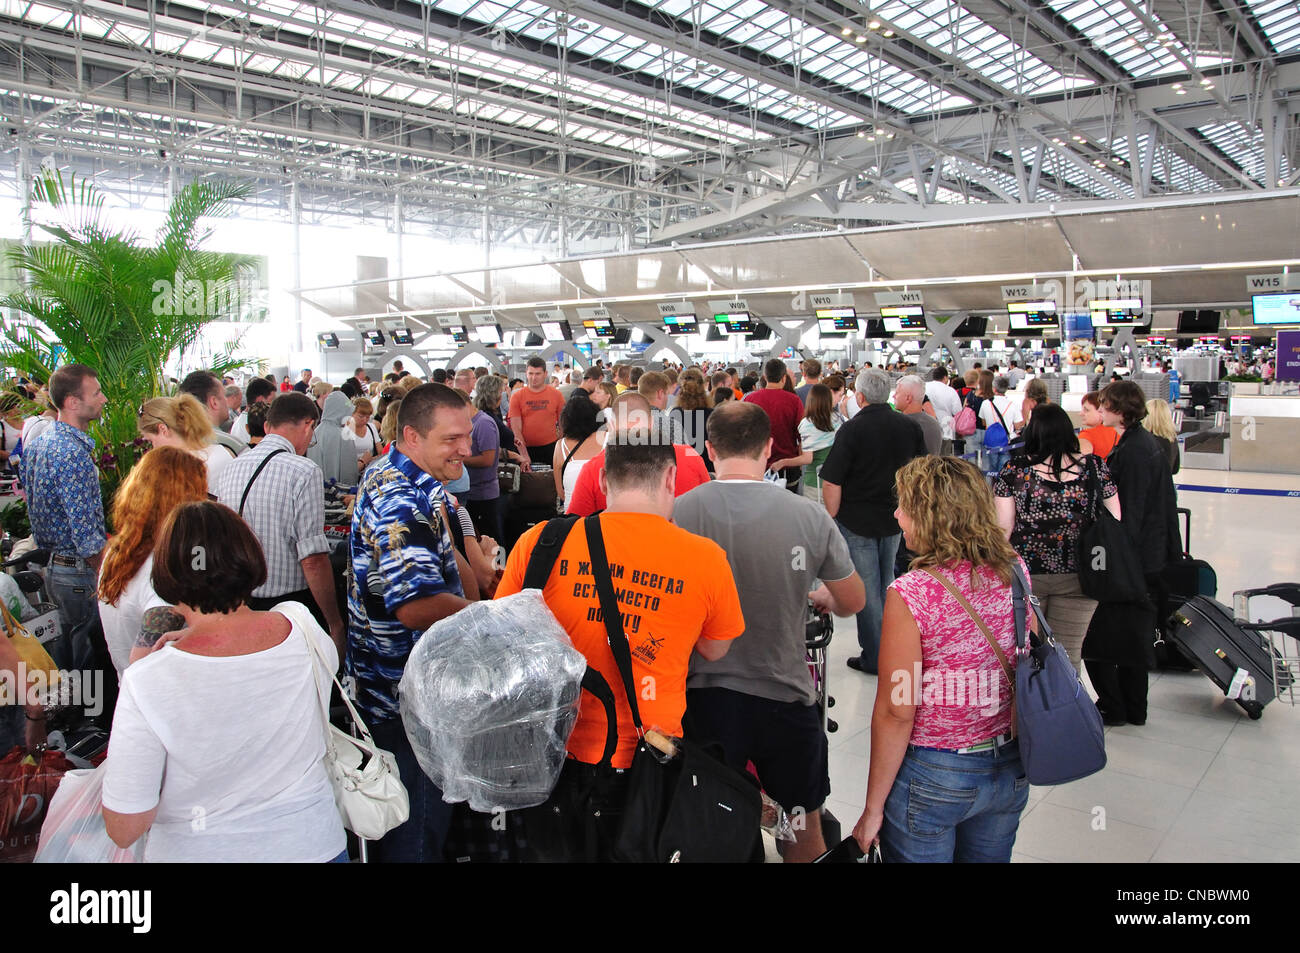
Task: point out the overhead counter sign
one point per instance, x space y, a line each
1260 284
886 298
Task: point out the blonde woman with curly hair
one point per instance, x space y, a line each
946 783
184 423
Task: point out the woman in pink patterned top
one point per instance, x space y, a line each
946 781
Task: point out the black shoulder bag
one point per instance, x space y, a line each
1109 569
687 807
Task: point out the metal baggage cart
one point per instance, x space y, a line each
1282 635
817 639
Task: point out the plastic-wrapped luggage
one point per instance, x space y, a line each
489 697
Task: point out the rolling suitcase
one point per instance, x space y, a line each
1184 578
1234 654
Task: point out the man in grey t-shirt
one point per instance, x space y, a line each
909 399
759 703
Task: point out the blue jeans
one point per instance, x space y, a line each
74 592
873 558
947 807
422 838
995 460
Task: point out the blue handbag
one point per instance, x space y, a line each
1060 729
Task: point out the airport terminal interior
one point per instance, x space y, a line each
1097 199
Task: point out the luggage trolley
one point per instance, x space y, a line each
817 639
1285 656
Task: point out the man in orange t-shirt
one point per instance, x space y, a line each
677 596
632 411
535 414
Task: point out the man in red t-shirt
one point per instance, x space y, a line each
535 414
785 410
632 412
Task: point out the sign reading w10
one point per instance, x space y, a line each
831 300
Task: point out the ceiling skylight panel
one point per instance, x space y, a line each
636 60
1243 144
1114 29
199 50
978 43
1279 21
488 12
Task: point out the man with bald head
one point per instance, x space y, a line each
632 412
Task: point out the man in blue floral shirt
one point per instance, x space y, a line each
407 575
66 510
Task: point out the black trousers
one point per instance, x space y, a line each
544 454
489 516
1121 689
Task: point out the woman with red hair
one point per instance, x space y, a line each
163 479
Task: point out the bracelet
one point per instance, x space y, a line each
30 718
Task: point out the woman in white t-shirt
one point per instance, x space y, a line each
183 422
161 481
581 439
816 436
218 736
362 432
1003 409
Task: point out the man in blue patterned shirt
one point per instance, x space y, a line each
66 509
406 575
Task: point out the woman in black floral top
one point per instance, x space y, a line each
1044 497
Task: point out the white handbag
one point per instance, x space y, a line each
367 786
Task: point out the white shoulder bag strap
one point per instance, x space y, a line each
292 611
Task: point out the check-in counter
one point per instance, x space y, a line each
1265 433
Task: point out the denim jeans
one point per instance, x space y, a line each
422 838
74 592
947 807
873 558
995 460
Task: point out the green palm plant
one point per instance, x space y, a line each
105 298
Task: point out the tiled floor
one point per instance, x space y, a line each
1200 781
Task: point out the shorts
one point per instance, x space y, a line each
783 740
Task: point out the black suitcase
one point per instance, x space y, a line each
1206 632
1189 577
1183 578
